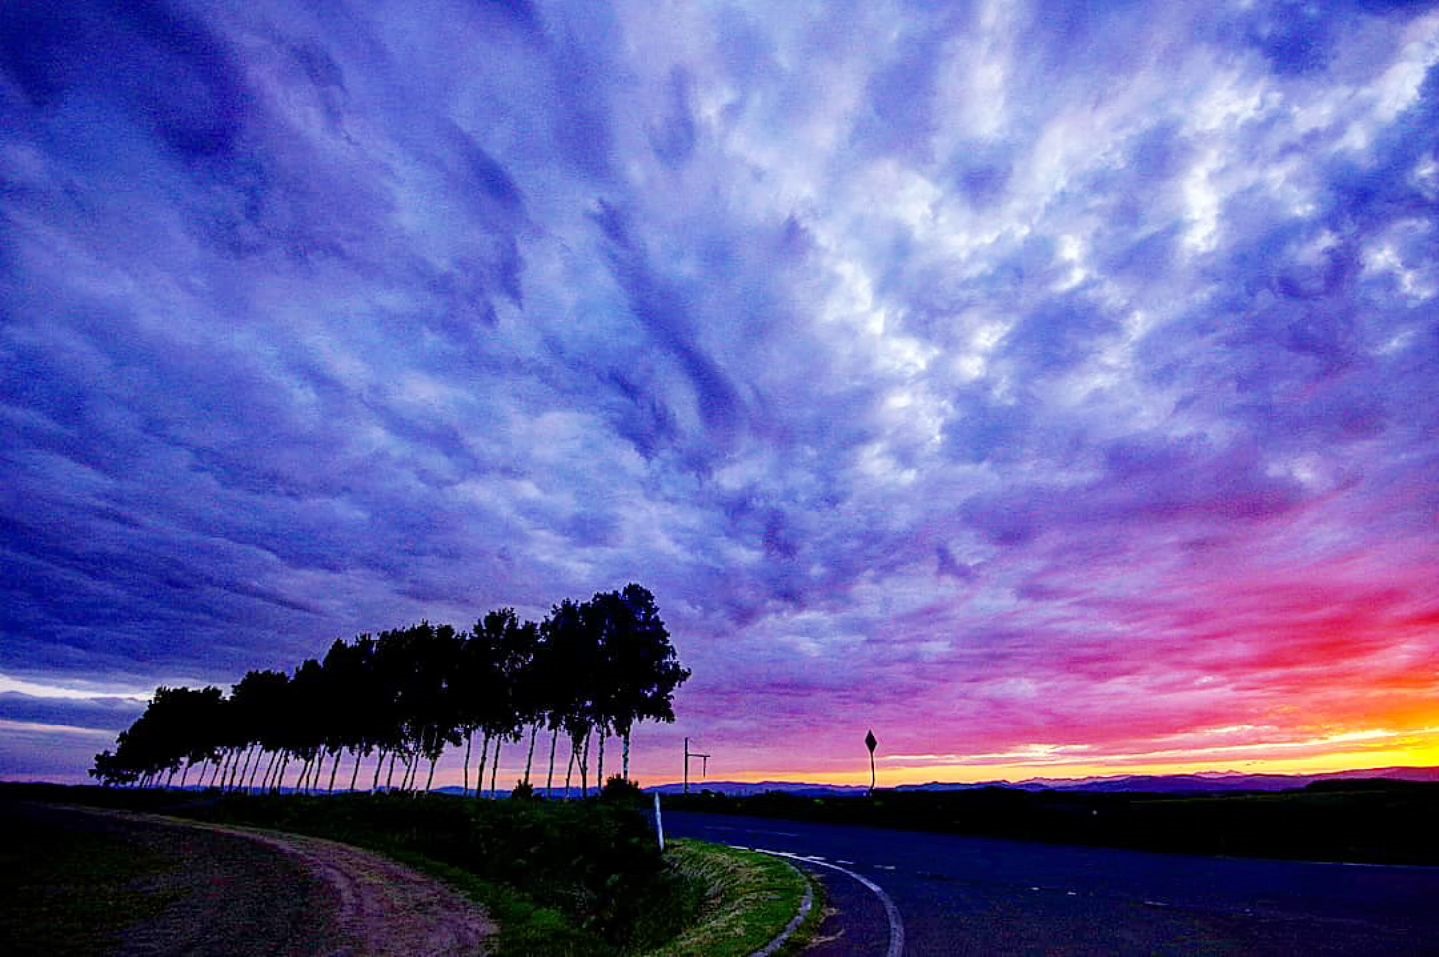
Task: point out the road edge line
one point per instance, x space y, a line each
896 925
805 906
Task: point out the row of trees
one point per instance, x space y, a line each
402 697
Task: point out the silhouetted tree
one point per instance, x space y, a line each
407 694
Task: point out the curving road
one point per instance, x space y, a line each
960 895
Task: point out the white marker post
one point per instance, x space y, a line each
659 824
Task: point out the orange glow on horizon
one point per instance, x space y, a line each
1406 749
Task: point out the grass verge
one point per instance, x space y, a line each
748 900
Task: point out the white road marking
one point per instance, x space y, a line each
896 926
750 830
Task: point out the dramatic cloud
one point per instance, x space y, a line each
1040 384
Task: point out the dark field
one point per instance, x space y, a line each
1382 822
73 883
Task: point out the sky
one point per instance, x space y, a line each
1050 387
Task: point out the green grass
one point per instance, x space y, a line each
64 893
525 928
749 898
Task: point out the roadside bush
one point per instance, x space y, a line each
619 791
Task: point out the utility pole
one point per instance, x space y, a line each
705 766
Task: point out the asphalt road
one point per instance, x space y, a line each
958 895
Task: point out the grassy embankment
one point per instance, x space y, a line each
1388 822
750 899
581 878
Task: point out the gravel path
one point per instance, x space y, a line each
246 891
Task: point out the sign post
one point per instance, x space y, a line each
870 742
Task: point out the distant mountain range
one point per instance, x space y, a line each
559 792
1202 783
748 788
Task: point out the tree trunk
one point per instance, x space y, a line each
600 769
570 768
255 768
530 757
390 777
429 781
626 764
214 774
585 768
379 766
245 768
469 741
495 768
334 766
550 779
484 756
184 774
355 774
280 774
409 759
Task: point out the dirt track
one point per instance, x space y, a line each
241 891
